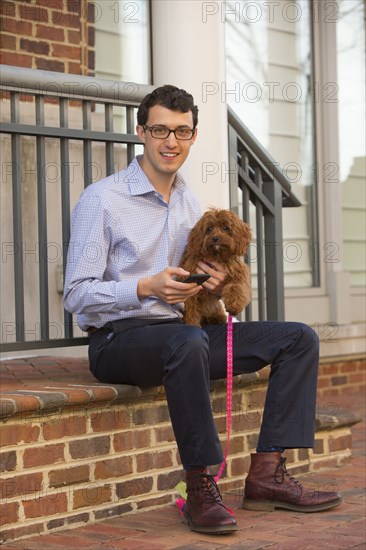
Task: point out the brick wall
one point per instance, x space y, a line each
66 465
341 376
53 35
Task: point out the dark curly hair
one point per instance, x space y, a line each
169 97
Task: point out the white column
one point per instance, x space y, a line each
188 46
338 283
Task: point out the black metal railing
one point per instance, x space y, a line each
257 178
36 90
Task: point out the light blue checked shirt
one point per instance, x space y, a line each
123 231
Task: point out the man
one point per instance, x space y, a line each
127 297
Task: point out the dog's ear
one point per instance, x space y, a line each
195 238
242 236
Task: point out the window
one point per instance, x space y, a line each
269 86
122 40
352 133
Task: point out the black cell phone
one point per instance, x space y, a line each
198 278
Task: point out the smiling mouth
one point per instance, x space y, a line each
169 155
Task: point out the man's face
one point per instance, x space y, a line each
165 156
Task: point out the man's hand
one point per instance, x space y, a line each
163 286
218 273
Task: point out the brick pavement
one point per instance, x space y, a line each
342 527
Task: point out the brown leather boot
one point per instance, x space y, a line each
269 486
204 510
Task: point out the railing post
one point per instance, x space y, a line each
65 201
233 173
275 294
17 222
260 242
42 223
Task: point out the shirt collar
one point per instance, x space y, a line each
140 184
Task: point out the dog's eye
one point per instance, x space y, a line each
209 229
226 228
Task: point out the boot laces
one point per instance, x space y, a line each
281 473
209 489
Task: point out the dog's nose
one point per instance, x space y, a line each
216 239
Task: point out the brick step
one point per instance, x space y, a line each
75 451
46 383
341 374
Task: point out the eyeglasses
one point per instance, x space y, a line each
162 132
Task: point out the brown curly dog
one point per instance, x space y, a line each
221 236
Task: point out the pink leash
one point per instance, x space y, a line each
229 404
229 390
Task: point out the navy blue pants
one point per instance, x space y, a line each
185 358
